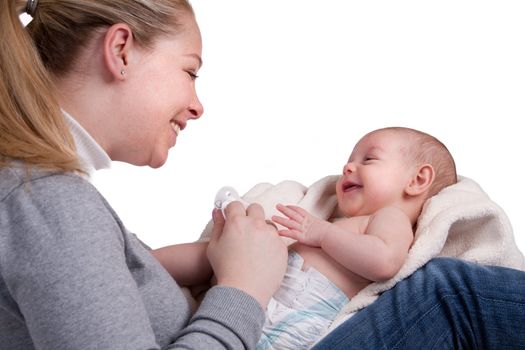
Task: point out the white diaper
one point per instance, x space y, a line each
302 309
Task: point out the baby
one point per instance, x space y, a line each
387 179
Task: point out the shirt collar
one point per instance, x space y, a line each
92 156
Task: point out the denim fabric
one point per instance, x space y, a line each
447 304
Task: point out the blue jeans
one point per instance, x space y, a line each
447 304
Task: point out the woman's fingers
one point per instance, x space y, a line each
256 211
218 224
248 254
233 209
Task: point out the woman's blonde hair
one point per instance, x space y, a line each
32 126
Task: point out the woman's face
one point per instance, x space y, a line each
160 98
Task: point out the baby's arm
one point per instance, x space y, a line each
380 252
300 225
187 263
377 255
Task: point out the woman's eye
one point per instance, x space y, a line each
192 75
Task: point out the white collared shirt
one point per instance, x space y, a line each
92 156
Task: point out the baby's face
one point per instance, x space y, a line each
375 175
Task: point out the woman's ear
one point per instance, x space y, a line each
118 42
421 181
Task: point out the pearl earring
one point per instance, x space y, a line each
122 72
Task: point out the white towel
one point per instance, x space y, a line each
461 221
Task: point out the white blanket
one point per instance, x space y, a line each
461 221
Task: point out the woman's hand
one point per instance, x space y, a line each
247 253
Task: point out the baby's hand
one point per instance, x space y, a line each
301 225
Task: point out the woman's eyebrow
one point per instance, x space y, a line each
197 57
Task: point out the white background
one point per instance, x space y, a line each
289 86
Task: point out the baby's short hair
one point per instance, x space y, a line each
427 149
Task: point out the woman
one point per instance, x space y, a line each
447 304
86 82
90 81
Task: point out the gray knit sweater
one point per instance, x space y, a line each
72 277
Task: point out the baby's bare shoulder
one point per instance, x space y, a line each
356 224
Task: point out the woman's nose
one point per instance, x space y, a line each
196 109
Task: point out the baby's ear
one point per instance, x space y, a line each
421 181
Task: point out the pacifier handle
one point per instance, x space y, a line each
225 196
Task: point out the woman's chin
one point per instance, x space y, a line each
157 160
158 163
152 159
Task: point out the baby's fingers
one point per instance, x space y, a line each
289 224
293 234
293 212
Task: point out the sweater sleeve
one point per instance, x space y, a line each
230 318
63 261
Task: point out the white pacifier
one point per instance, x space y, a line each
225 196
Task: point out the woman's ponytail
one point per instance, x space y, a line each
32 127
